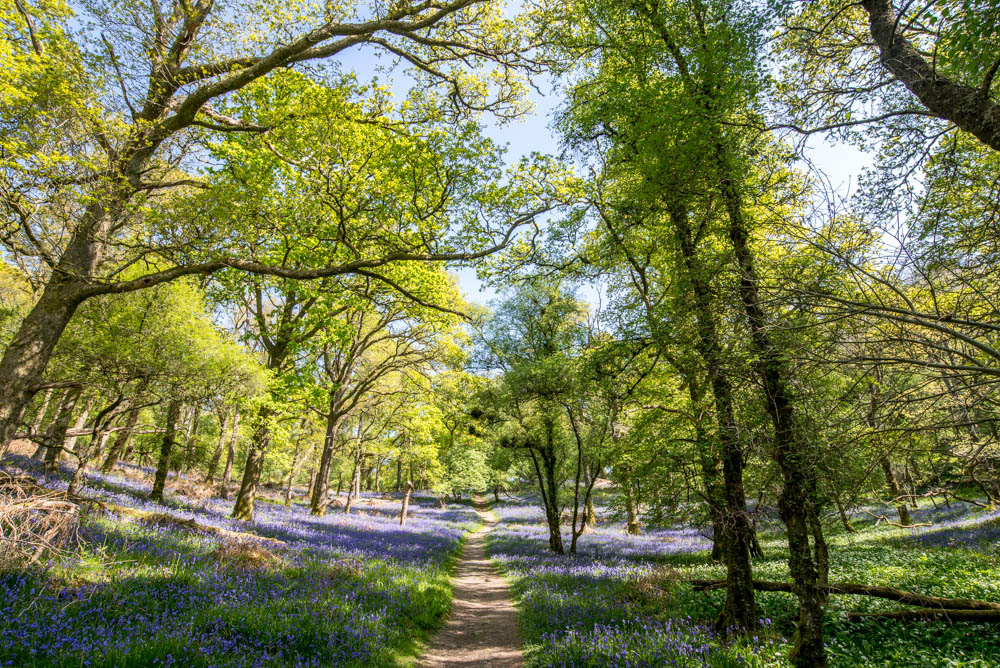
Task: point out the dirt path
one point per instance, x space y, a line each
482 628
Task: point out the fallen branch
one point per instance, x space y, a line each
930 615
883 518
897 595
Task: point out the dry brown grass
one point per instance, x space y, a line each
655 587
35 522
245 554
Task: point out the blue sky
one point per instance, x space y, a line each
840 163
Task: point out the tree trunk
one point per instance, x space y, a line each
61 408
968 107
321 491
312 483
632 514
295 466
28 353
166 449
69 445
897 494
795 504
55 435
36 425
589 514
190 435
243 509
213 464
121 440
843 515
552 511
406 503
340 482
496 493
547 483
355 483
88 452
732 520
230 455
399 475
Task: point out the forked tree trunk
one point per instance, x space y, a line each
547 483
166 449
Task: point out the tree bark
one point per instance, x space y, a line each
36 425
406 503
213 464
55 435
190 434
355 483
121 440
969 108
730 519
795 504
243 509
230 455
546 473
28 353
632 526
897 494
166 449
69 445
321 490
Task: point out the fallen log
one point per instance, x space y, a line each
930 615
897 595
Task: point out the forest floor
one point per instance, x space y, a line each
623 599
180 583
482 627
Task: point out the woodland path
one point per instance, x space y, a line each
482 627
